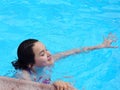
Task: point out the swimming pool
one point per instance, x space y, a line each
63 25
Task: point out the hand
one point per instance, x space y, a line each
60 85
108 41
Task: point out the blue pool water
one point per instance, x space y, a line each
62 25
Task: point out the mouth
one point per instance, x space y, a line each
49 58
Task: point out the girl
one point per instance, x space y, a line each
35 61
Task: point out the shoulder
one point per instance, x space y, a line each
23 74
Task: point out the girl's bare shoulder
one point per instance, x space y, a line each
23 74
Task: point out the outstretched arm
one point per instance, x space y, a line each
105 44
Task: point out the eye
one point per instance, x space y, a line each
42 54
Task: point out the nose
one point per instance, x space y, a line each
48 53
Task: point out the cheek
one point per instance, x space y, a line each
43 58
39 61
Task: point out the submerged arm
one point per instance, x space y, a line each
106 44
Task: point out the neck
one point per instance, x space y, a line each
36 69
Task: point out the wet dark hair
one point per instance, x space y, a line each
25 55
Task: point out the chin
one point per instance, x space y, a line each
51 62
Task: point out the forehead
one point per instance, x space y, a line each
38 46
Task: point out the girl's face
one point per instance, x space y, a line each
42 56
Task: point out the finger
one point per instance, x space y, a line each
71 88
112 36
65 87
68 84
61 88
58 88
111 41
104 37
56 85
109 35
115 39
